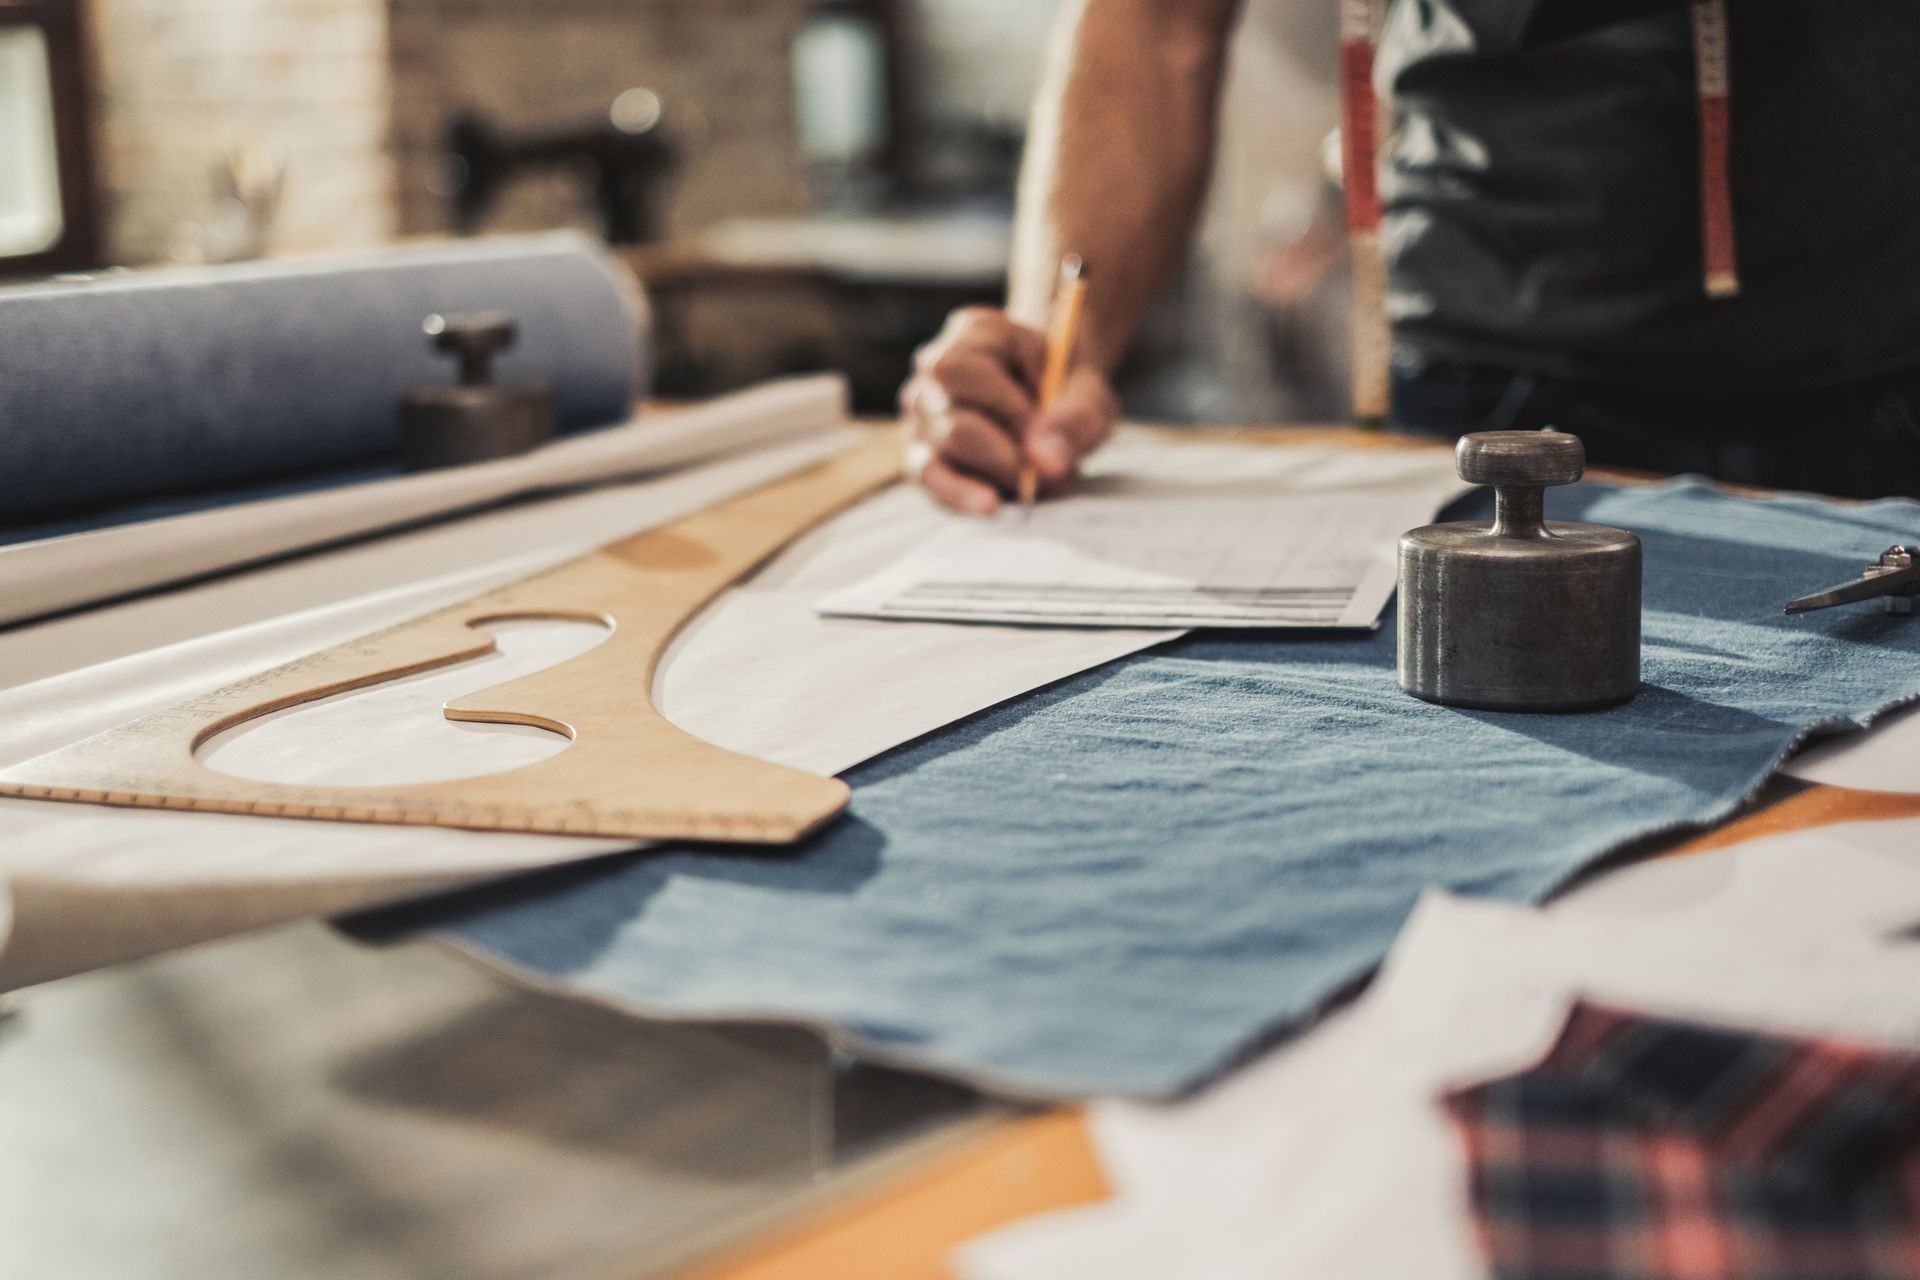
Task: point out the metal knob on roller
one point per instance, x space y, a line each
1523 614
477 418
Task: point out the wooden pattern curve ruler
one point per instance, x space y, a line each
629 772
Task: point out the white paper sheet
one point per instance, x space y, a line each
1883 758
1231 536
1295 1166
59 573
760 672
399 733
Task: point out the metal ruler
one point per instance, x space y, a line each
628 771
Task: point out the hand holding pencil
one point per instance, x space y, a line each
1063 335
997 409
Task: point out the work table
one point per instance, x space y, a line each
297 1088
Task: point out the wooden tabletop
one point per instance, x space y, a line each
938 250
905 1228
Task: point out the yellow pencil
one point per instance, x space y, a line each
1063 334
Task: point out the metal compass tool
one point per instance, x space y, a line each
1894 580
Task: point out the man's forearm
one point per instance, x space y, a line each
1118 157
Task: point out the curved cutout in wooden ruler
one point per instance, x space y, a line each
629 772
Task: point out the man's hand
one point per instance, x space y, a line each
1117 159
970 415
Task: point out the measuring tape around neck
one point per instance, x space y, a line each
1360 23
1713 85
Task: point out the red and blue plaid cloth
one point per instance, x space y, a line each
1642 1149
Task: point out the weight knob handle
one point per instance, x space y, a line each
475 338
1537 458
1519 464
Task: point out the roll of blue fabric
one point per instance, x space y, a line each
123 386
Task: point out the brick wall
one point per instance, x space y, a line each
182 80
354 95
719 66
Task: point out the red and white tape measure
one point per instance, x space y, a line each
1713 82
1360 130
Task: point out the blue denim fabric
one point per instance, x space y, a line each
194 381
1120 883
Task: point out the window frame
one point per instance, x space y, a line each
62 24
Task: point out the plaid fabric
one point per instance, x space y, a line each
1642 1149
